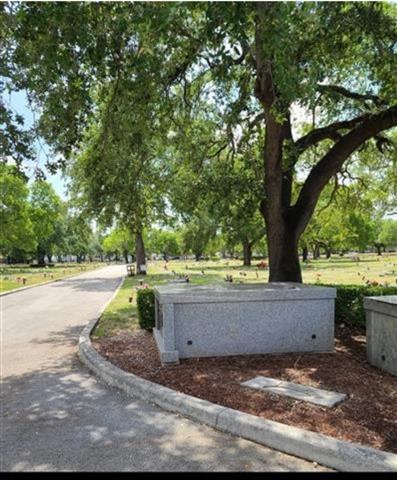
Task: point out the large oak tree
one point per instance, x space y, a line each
257 63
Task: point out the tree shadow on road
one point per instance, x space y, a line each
61 418
97 284
67 336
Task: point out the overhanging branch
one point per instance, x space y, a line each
344 92
332 161
330 132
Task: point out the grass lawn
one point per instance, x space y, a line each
121 314
11 276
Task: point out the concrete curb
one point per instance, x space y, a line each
325 450
16 290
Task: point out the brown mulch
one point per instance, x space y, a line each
368 416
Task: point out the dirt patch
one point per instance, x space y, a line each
368 416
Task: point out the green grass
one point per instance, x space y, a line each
9 274
121 315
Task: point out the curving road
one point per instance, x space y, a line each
56 416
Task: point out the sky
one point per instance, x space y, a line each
19 104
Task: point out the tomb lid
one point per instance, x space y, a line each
386 304
236 292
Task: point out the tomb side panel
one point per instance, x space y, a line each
382 341
215 329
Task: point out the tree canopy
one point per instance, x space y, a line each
311 86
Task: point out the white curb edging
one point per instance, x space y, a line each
316 447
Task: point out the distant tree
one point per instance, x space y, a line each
16 228
95 247
197 233
78 234
388 233
118 243
45 212
163 241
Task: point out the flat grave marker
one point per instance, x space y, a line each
318 396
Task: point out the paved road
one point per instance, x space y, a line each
56 416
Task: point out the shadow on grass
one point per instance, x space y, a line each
160 278
223 267
111 323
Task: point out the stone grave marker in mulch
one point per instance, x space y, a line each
326 398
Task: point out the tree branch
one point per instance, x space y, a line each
329 132
344 92
332 196
333 160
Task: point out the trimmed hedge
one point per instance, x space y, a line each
145 305
349 305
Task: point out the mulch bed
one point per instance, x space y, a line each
368 416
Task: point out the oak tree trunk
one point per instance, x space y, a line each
40 256
140 254
286 219
247 252
283 254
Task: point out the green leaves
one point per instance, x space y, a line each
45 213
159 104
16 227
